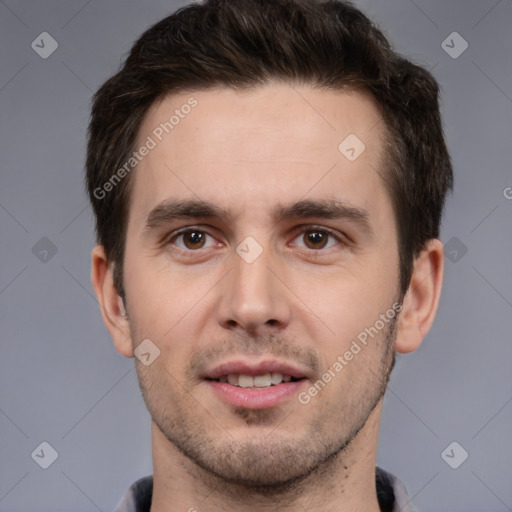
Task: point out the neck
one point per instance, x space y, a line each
346 482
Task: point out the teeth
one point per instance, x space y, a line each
263 381
245 381
277 378
260 381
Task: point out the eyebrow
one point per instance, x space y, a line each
173 209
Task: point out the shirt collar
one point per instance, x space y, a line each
391 494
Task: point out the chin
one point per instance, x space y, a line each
260 464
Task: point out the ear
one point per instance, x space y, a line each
422 297
111 304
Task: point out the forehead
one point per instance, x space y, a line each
258 145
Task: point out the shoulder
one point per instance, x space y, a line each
391 492
138 496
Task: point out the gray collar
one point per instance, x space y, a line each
391 494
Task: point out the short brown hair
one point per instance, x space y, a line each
245 43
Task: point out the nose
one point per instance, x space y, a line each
253 297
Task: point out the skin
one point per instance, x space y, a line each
303 300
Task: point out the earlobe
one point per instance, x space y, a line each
422 297
111 305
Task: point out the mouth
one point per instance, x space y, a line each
265 380
250 385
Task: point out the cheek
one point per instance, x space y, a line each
150 297
166 306
347 303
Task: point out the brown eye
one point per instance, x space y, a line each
316 239
193 239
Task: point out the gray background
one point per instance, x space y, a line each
62 381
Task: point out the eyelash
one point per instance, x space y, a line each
304 229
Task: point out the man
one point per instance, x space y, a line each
268 180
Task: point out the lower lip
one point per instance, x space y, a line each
255 398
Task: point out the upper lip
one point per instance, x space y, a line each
244 367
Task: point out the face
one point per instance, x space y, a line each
261 260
